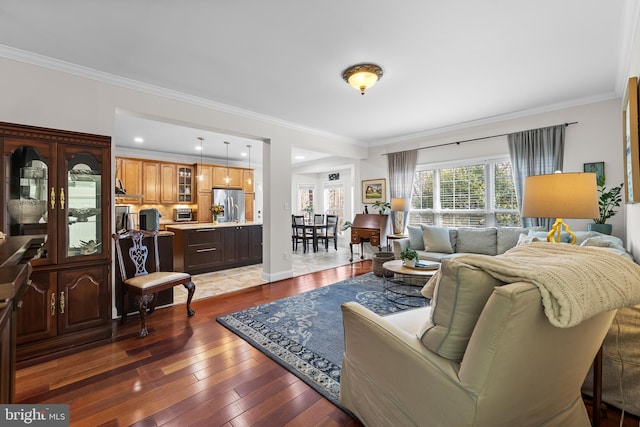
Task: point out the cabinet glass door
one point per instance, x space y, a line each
28 175
84 205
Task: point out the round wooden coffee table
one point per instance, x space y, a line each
404 285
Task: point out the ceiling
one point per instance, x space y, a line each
445 64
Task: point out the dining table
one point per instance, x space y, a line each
315 230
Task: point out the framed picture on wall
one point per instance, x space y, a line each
597 168
630 143
374 190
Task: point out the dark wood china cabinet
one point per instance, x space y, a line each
58 189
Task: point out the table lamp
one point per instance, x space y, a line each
399 205
560 195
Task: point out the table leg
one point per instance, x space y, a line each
597 389
351 249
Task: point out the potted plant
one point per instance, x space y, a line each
409 256
607 201
309 211
381 206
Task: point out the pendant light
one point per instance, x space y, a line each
227 178
249 179
200 175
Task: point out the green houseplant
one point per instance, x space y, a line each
607 201
381 206
409 256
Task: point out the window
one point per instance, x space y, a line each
467 195
305 197
334 200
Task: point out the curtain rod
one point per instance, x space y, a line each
470 140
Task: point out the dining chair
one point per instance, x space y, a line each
331 233
299 233
142 284
318 219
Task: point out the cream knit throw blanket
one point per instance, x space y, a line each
575 282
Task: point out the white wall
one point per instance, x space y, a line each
39 96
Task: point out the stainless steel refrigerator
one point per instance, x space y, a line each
233 203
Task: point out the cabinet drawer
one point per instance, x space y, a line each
204 256
204 236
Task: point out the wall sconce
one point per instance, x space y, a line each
362 76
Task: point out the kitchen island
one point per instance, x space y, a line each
205 247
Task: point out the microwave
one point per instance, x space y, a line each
182 214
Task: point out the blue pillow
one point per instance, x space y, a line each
415 238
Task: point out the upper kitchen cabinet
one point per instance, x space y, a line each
204 179
186 187
150 182
220 174
129 174
247 180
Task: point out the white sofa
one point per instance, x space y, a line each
488 356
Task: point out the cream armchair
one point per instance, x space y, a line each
515 369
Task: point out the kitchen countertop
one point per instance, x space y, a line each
209 225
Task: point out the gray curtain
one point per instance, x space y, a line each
402 169
535 152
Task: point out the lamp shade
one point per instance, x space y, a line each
560 195
399 204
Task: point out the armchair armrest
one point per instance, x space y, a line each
399 245
387 374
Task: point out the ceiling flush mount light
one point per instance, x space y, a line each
362 76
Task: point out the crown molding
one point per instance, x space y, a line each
107 78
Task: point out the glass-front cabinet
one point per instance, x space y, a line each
57 192
57 189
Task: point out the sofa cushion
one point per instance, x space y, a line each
564 236
415 237
507 237
436 239
458 299
477 241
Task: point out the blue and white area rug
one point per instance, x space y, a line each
304 332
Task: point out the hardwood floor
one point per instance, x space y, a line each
191 371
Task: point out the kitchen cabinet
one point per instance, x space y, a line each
220 175
201 249
129 172
59 182
204 180
168 183
249 206
247 180
151 182
205 200
186 188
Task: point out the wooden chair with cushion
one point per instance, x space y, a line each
143 284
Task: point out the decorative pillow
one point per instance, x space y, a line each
528 239
415 237
477 241
436 239
429 288
457 302
508 237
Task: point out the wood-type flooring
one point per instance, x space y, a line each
191 371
